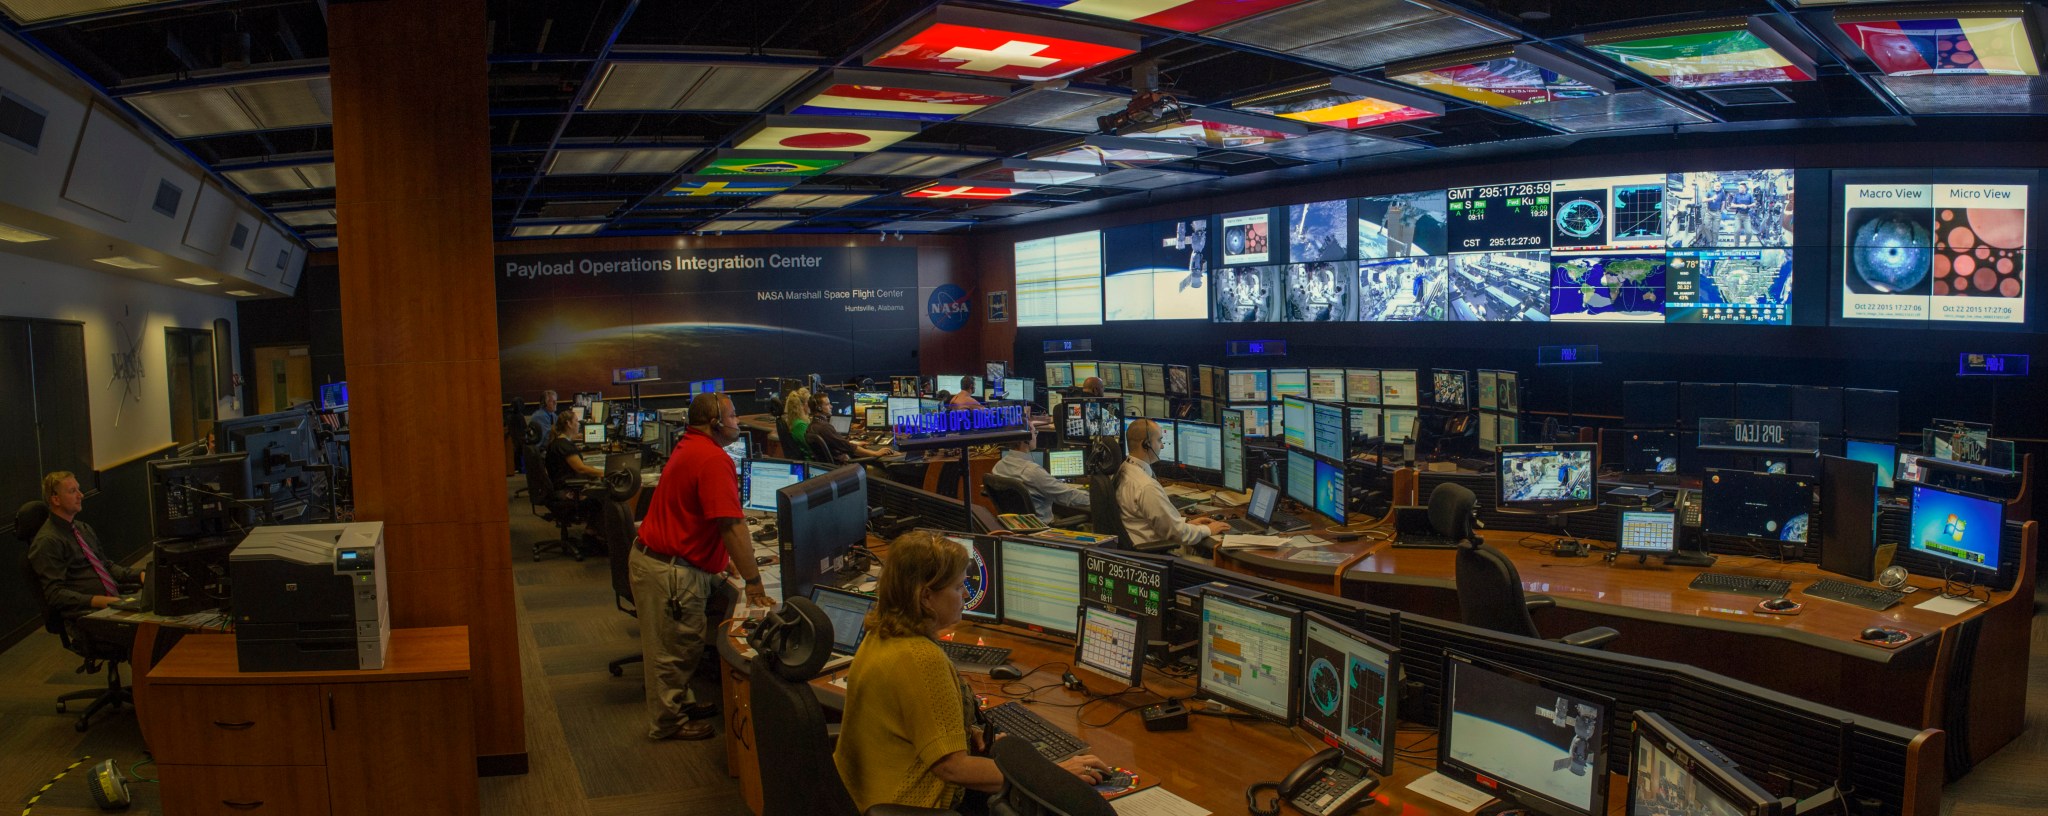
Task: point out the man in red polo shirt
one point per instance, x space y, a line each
694 533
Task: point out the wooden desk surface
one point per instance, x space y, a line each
414 654
1210 764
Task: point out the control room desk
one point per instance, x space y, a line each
1210 764
1967 675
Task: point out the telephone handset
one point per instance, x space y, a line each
1688 507
1328 784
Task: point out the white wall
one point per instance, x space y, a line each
123 428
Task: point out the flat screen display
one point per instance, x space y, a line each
1246 237
1362 385
1330 496
1249 385
1608 287
1059 281
1498 287
1403 225
1499 217
1233 449
1199 445
1623 212
979 601
1397 388
1728 209
1449 389
1349 686
1296 422
1247 655
1156 271
1933 246
1546 476
1319 231
1040 587
1403 290
1246 294
1326 384
1290 382
1329 434
1883 455
1729 286
1540 738
1319 292
1756 506
1301 477
1956 528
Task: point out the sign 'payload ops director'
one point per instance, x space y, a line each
967 426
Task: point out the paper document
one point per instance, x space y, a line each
1239 541
1947 605
1450 792
1229 499
1156 802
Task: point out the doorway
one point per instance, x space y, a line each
284 378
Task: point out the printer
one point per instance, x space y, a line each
311 597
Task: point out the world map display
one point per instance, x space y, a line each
1607 287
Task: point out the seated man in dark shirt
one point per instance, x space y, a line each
75 574
821 428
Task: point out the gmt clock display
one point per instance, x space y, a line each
1500 216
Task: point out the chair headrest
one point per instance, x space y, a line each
29 520
795 638
1030 776
1452 509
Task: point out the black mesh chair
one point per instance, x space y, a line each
1490 596
792 447
97 652
1108 518
615 526
564 508
791 645
1010 495
1034 786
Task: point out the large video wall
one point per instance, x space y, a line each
1940 247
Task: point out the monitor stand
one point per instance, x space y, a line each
1687 558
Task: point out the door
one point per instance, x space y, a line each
284 378
399 749
188 357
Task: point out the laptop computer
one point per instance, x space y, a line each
848 612
1262 515
1412 530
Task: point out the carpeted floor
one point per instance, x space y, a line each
585 730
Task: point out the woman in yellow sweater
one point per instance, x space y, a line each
904 739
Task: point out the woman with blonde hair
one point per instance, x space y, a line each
904 739
796 412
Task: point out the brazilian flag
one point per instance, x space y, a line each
768 167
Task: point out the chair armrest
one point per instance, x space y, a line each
1595 638
1078 521
1535 602
906 810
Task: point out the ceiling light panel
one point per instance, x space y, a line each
282 179
1707 54
266 105
548 230
1357 34
1002 46
846 134
1343 102
688 86
1629 109
657 161
243 293
1068 109
1331 146
809 201
1179 15
32 11
910 164
17 235
198 281
124 262
1210 129
1965 40
1970 94
893 95
1504 77
307 218
739 225
1143 179
922 226
325 242
706 186
1024 171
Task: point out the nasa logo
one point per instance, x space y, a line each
948 308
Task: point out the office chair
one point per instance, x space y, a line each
1009 495
1490 594
951 479
1034 786
565 509
790 645
27 522
792 447
615 526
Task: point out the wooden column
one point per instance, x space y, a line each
419 317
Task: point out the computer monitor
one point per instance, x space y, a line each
1249 385
1362 385
1399 424
1155 406
1233 448
1700 400
1040 586
819 521
1350 690
1870 414
950 383
715 385
1676 775
1108 643
334 396
1330 439
593 433
1177 382
876 417
1059 375
195 496
1547 479
1085 369
1649 451
979 602
1169 440
1743 504
1648 532
1958 441
737 450
1301 477
1112 375
1449 389
597 411
1070 463
1020 389
1885 456
1290 382
1398 388
1326 384
1763 401
1533 740
848 612
626 462
842 424
1297 423
1264 500
903 407
761 478
1956 528
1132 583
1258 419
1848 517
1247 656
1331 498
1509 392
1200 445
1154 377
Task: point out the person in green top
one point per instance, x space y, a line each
796 413
904 738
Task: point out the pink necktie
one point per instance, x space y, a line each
105 579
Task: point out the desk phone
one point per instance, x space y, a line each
1327 784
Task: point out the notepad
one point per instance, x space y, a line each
1450 792
1156 802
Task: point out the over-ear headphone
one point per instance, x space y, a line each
1251 799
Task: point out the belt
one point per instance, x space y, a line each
671 560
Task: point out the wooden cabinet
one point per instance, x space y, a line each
393 742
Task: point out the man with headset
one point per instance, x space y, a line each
1148 515
695 532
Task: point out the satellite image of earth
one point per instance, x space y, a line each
1608 286
1892 251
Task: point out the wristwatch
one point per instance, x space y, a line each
754 581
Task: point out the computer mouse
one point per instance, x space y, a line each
1005 672
1876 633
1781 604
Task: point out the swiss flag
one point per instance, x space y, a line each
991 52
962 191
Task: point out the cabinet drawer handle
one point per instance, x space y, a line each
244 725
242 805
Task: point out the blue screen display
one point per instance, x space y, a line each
1885 457
1963 529
1330 490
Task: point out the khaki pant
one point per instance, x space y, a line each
671 644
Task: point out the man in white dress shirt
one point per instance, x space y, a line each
1149 516
1046 491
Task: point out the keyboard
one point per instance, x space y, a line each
973 655
1855 594
1023 723
1741 585
1286 522
1416 541
1245 526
